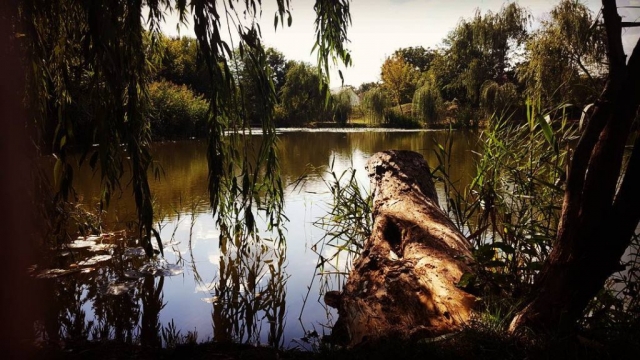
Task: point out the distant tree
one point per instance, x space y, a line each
364 87
399 79
277 63
179 63
498 100
482 48
176 112
418 57
341 106
374 103
564 57
427 102
301 100
249 98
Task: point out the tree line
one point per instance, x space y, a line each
491 64
178 91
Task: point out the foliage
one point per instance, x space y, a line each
346 225
332 21
178 63
98 44
398 79
427 103
374 103
176 112
564 57
341 105
482 48
511 209
498 100
301 100
394 118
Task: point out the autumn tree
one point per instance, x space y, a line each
398 79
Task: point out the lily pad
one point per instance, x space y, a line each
162 269
54 273
137 251
133 274
119 288
210 300
94 260
101 247
79 244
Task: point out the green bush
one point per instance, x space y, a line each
394 119
176 112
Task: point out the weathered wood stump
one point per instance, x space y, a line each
403 285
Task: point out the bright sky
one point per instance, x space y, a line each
381 26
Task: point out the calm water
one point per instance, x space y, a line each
261 294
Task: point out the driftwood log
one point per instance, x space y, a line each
403 285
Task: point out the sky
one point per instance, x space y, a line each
379 27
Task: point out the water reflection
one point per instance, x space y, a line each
185 164
247 287
249 293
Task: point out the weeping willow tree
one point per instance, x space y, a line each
375 102
100 53
482 48
565 57
497 100
342 106
427 103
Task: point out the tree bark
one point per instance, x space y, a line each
403 285
599 215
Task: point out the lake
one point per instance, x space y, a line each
260 293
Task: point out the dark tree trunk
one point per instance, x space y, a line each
601 204
404 283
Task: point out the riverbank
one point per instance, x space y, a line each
475 342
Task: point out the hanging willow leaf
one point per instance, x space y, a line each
99 52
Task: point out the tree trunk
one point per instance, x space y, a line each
599 213
404 283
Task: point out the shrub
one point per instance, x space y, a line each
176 112
394 119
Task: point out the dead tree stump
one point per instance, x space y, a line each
403 285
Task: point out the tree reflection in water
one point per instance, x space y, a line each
116 301
249 291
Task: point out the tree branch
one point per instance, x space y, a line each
625 205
